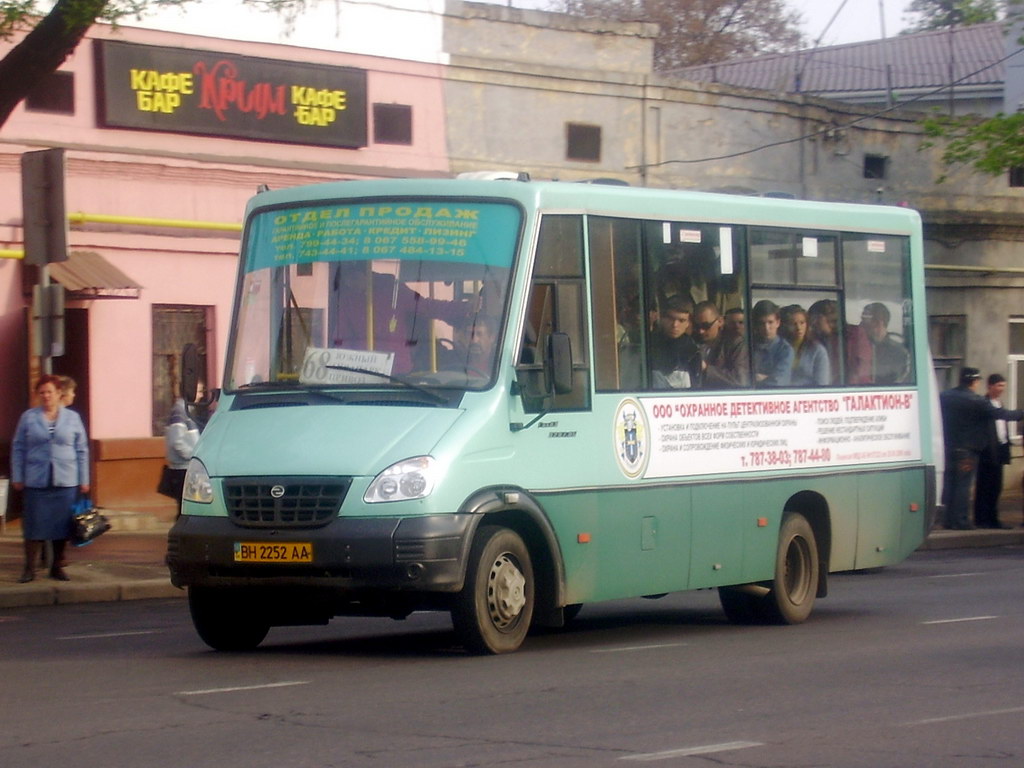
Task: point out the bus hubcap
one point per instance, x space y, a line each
506 591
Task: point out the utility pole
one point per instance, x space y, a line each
887 48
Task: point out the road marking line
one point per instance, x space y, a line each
111 634
707 749
242 688
967 716
955 575
637 647
956 621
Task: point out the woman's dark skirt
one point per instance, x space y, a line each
47 514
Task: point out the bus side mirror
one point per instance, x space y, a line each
558 364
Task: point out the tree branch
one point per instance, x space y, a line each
44 49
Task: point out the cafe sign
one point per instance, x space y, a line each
220 94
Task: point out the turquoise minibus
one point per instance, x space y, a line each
505 399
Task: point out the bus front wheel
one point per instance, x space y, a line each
789 598
493 611
224 621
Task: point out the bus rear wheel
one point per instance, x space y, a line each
789 598
224 620
493 611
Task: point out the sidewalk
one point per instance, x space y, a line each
127 563
1011 513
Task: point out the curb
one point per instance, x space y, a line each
66 593
941 539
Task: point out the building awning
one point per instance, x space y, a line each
87 275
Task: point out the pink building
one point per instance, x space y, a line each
166 136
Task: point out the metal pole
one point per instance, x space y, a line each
46 349
887 49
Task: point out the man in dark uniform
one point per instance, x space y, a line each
991 461
966 419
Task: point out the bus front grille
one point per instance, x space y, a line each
284 502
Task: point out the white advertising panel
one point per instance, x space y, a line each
679 436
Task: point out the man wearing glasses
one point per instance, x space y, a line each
725 362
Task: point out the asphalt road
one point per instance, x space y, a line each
915 665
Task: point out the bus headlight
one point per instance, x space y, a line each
408 479
197 487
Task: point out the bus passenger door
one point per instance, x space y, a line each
554 433
556 304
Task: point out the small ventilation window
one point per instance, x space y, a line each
392 124
583 142
55 93
875 166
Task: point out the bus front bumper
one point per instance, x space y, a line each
423 554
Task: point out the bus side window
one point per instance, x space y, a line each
797 270
877 310
696 269
556 305
615 296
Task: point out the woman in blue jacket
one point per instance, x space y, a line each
50 463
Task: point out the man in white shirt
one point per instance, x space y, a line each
989 483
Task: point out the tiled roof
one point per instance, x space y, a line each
917 61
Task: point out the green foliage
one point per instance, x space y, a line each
992 146
12 15
943 14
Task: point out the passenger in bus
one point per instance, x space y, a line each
627 316
724 358
735 323
675 358
773 355
890 358
823 325
474 348
400 316
810 360
860 355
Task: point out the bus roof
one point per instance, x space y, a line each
614 200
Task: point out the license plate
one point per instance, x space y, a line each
288 552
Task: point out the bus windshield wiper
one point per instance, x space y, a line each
440 399
274 385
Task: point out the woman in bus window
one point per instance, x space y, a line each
810 360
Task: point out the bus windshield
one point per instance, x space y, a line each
374 294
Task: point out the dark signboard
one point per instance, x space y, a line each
222 94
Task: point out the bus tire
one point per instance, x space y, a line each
789 597
795 585
493 611
222 620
